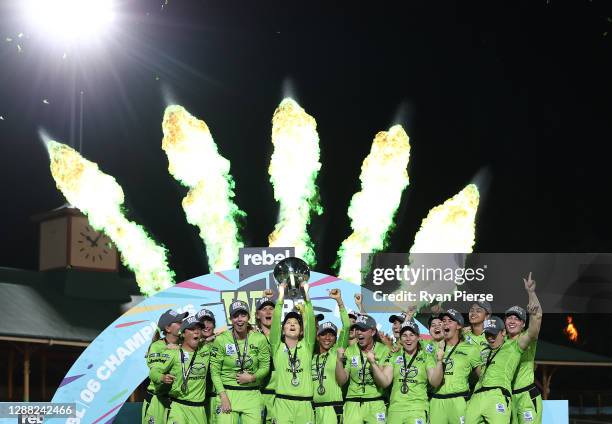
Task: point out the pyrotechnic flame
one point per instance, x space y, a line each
571 331
99 197
383 179
293 170
450 227
194 160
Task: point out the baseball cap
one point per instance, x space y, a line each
484 305
327 326
169 317
319 317
517 311
493 325
263 301
431 318
454 315
410 325
205 314
293 314
238 306
401 317
190 323
365 322
352 313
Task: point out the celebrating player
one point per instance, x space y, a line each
490 402
364 401
292 343
240 360
526 398
448 402
169 324
327 393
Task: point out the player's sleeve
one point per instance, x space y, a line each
275 329
475 357
310 329
158 369
264 360
217 356
386 353
430 361
517 347
343 338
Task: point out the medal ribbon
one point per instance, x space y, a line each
321 370
186 373
292 360
244 354
407 367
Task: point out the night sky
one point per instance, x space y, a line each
518 91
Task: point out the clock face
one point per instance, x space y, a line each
91 248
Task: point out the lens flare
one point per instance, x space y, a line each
450 227
384 177
294 167
194 160
99 197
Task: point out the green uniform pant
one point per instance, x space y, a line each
287 411
328 414
247 408
154 412
373 412
210 407
526 410
185 414
488 407
407 417
447 411
268 399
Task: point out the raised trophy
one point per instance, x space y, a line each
293 272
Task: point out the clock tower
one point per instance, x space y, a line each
68 241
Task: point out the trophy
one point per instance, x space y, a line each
293 272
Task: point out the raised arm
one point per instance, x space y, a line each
343 337
436 374
535 315
359 303
341 374
275 329
310 329
380 376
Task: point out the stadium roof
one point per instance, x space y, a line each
65 307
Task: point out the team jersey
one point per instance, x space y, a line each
500 365
458 364
327 361
178 364
269 382
158 353
293 379
429 346
524 375
228 353
413 379
480 340
361 379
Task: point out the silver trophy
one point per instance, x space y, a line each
293 272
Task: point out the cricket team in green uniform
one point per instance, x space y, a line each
293 370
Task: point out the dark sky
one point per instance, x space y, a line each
521 90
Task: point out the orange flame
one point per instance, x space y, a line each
571 331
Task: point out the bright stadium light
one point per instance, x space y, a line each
70 21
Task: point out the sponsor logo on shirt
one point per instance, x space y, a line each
527 416
354 362
429 348
380 417
500 408
230 349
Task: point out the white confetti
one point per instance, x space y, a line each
9 39
45 101
1 118
19 48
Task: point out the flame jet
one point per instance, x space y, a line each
194 160
99 197
294 167
384 177
451 226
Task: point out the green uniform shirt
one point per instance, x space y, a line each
477 340
196 380
158 353
429 346
458 367
225 362
524 375
283 373
414 377
361 379
500 365
333 392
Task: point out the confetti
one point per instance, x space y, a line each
20 35
1 118
9 39
45 101
19 48
64 56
